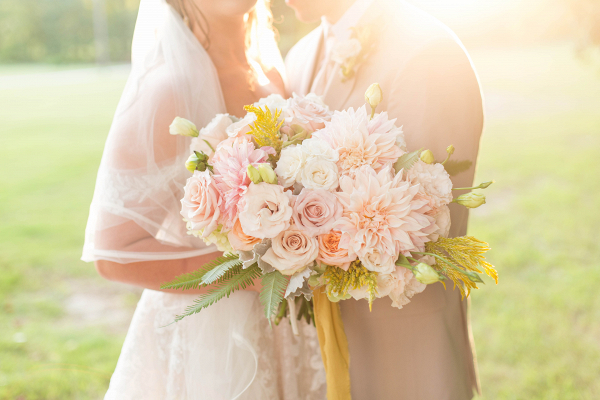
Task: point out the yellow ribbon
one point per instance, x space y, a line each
334 346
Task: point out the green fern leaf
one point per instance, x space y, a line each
456 167
407 160
193 279
236 278
218 271
271 294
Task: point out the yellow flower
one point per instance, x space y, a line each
267 174
426 274
427 157
470 200
373 95
253 174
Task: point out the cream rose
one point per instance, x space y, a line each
239 240
211 135
331 253
266 210
315 211
290 165
200 203
273 102
320 174
373 260
318 149
309 111
291 251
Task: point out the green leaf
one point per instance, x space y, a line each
218 271
402 260
456 167
193 279
236 278
407 160
274 284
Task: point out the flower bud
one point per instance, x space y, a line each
473 276
192 162
485 185
267 174
470 200
183 127
253 174
424 273
373 95
427 157
450 150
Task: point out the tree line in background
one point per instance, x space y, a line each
63 30
69 31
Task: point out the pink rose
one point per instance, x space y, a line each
291 251
239 240
315 211
266 210
308 111
331 254
201 201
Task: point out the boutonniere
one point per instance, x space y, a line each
352 52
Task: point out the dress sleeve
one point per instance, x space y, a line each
135 211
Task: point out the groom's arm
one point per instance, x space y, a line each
438 99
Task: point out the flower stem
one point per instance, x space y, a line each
441 258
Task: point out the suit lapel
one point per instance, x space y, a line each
312 63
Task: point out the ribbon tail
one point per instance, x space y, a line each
334 346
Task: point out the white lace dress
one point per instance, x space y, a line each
227 351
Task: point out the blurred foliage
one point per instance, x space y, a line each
62 30
54 31
586 14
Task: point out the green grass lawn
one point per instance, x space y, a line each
537 332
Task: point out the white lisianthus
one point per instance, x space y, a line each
241 127
290 165
345 49
320 174
211 135
273 102
183 127
318 149
424 273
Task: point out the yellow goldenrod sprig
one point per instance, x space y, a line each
466 252
340 282
266 127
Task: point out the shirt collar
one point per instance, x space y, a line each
341 29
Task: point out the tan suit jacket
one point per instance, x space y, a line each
423 351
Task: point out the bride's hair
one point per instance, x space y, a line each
259 26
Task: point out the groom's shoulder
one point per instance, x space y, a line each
417 29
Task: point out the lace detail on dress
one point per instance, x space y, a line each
120 188
227 351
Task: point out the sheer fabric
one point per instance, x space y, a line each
134 215
193 360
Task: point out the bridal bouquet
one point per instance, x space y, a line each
307 199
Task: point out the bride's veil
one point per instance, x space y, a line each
134 215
